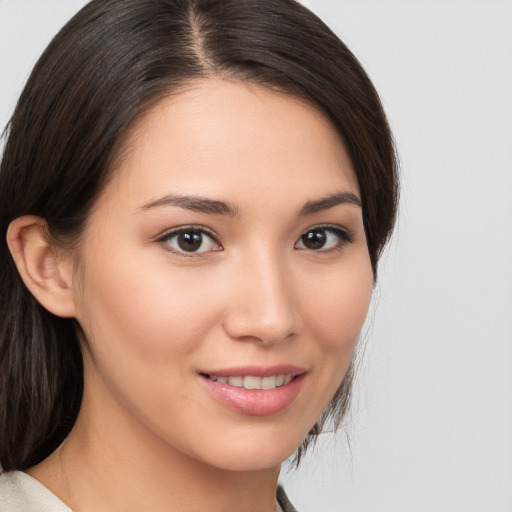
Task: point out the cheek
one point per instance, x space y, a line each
337 306
144 312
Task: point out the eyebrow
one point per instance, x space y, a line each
194 203
330 201
212 206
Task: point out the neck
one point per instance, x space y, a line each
123 466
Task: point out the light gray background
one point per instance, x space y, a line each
431 429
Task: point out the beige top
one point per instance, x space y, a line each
20 492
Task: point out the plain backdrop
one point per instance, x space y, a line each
431 427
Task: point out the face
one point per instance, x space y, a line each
224 277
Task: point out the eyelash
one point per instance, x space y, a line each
343 236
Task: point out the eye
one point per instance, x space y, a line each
323 238
190 240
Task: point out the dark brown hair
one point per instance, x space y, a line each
109 64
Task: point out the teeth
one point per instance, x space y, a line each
252 382
236 381
269 382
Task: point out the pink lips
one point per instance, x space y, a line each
255 402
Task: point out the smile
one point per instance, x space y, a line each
253 382
255 390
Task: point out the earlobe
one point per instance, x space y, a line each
43 268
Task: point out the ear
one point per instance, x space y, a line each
46 271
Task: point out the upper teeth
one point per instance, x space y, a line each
251 382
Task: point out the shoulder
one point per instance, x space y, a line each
20 492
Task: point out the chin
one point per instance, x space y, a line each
250 461
242 453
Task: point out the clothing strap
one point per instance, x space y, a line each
283 501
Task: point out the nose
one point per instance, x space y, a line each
262 306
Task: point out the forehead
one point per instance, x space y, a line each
218 137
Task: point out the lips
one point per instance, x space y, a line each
255 391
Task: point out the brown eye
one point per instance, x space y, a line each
314 239
323 239
189 240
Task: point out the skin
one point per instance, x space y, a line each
154 317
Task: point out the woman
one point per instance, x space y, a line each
194 196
